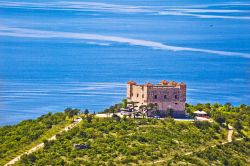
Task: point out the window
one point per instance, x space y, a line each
155 96
164 91
137 95
165 96
142 96
175 96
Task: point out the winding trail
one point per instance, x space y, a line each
230 133
41 145
229 139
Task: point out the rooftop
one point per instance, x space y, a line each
200 112
163 83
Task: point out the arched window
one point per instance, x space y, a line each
165 96
155 96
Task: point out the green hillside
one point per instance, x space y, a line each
16 139
124 141
234 153
129 141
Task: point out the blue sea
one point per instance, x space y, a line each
57 54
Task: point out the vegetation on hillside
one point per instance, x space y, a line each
122 141
235 154
237 116
17 138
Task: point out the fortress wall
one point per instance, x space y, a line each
170 95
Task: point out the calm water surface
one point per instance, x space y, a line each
57 54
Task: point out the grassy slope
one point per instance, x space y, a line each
145 141
16 139
234 153
138 141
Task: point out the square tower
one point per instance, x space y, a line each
166 95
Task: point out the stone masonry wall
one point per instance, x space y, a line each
167 96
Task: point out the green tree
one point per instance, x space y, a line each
86 112
67 111
238 126
124 103
89 119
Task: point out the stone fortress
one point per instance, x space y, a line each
166 95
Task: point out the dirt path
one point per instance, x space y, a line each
229 139
39 146
230 133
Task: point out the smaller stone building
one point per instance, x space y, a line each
166 95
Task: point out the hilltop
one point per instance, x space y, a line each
144 141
